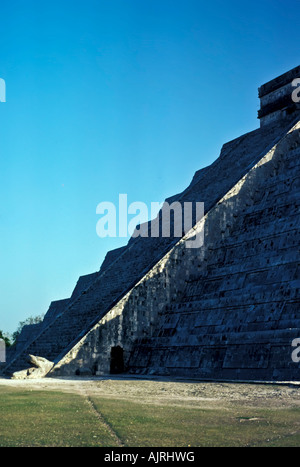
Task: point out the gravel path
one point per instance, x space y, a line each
164 391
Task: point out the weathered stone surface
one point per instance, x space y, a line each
41 368
84 372
23 374
229 309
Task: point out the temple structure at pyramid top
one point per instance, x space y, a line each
276 102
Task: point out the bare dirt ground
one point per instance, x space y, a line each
165 391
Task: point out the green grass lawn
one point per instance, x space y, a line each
42 418
46 418
155 426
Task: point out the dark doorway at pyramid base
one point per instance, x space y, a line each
116 360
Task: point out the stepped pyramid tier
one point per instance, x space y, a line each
30 331
228 309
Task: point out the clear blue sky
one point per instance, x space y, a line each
116 96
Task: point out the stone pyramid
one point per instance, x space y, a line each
226 310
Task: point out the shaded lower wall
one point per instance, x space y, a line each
223 339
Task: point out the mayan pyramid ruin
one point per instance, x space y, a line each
227 310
